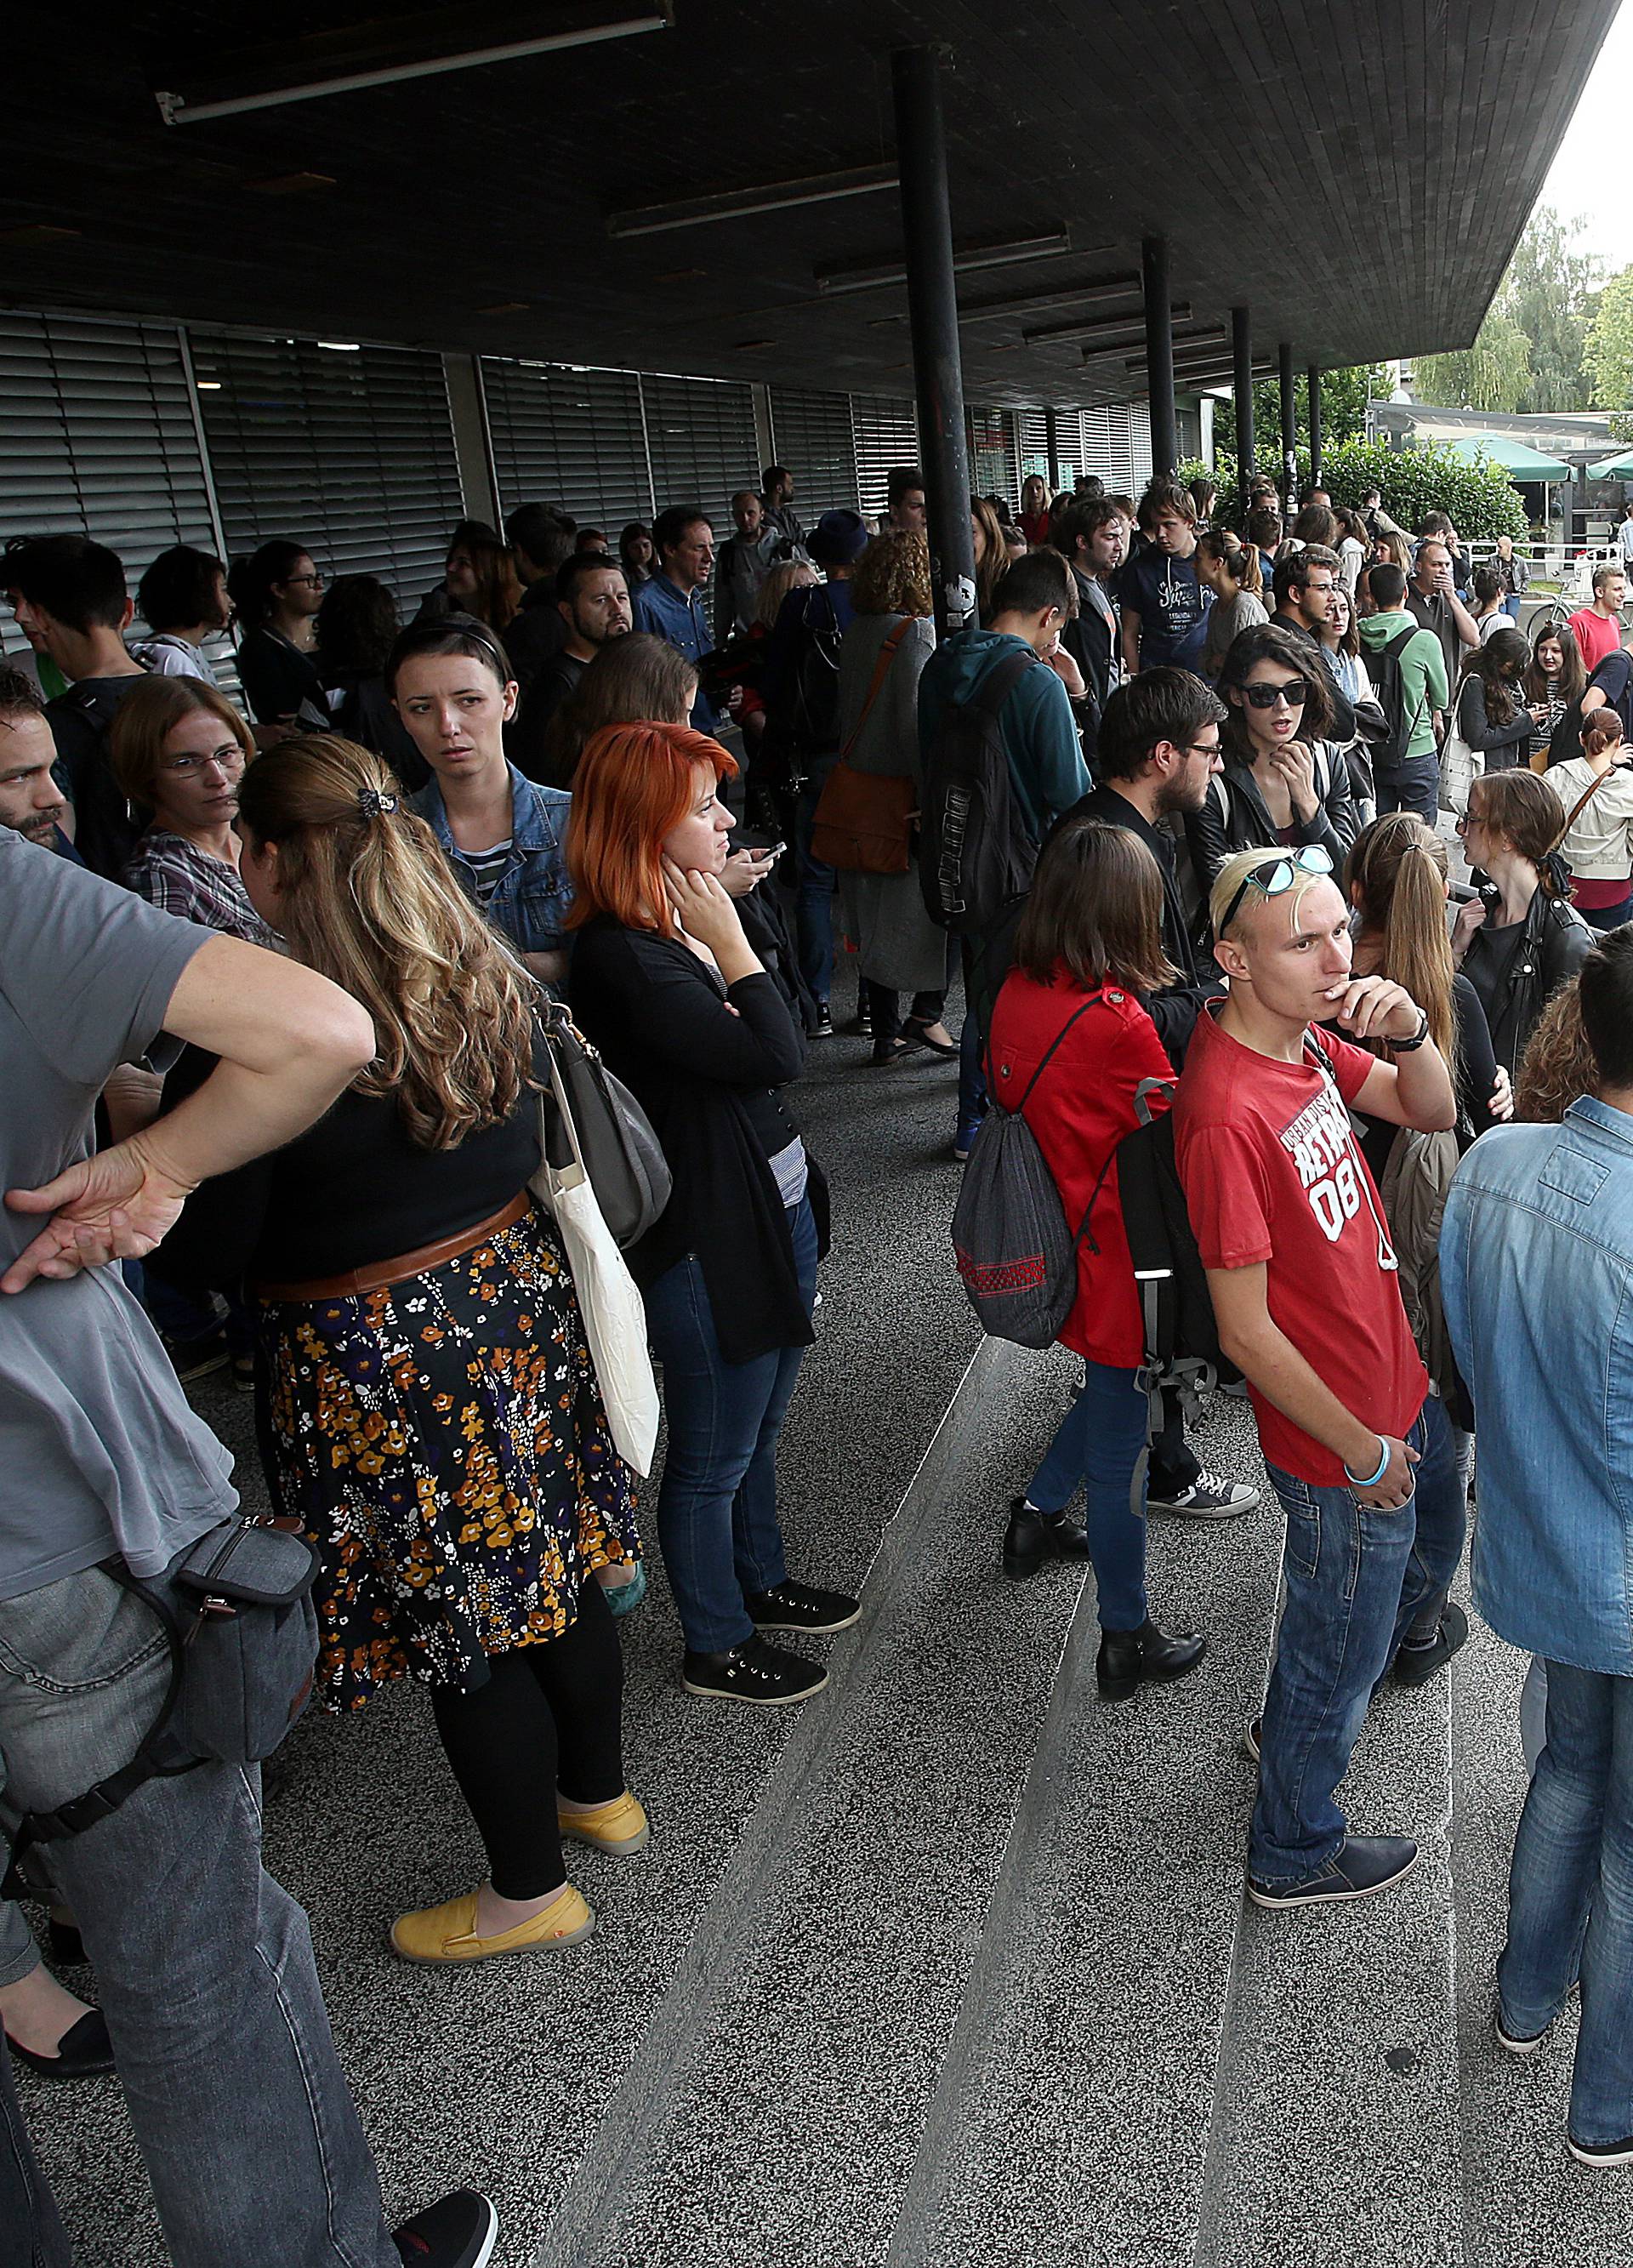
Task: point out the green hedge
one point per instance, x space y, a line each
1481 500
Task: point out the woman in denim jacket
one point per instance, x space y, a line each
502 833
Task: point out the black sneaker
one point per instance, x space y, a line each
459 2231
1252 1732
865 1020
1518 2043
798 1607
1601 2154
1416 1665
195 1358
1365 1864
1208 1498
823 1029
766 1675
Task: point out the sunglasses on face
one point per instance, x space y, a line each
1266 697
1273 880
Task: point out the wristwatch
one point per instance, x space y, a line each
1411 1046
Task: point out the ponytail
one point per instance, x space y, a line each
1397 869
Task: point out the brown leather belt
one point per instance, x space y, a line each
381 1274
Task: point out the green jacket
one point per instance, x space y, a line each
1424 682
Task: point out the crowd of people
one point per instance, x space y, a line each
277 990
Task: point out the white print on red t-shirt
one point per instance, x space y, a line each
1321 1145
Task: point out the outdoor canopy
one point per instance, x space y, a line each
1516 460
1614 468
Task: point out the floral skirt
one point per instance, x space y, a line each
444 1445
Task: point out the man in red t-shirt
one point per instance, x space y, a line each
1597 629
1303 1276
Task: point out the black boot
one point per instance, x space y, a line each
1128 1658
1033 1536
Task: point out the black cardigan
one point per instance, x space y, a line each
656 1012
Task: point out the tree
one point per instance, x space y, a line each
1548 292
1495 373
1610 344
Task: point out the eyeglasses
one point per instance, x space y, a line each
230 759
1202 747
1295 693
315 580
1272 881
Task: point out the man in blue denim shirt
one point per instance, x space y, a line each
1536 1276
671 605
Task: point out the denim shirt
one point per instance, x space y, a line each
530 901
682 619
1536 1276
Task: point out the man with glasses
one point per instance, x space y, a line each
1304 584
1303 1277
70 599
671 605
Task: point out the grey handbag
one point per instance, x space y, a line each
621 1153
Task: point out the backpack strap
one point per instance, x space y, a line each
995 688
1048 1054
1586 797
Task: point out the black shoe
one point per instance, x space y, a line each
84 2050
1128 1659
798 1607
1365 1864
1033 1536
823 1029
459 2231
917 1032
888 1051
766 1675
195 1358
865 1020
1416 1665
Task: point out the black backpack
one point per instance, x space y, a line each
1016 1255
973 858
813 710
1383 666
1182 1348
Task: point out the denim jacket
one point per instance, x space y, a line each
530 902
1536 1274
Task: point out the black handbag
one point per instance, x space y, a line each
236 1610
621 1153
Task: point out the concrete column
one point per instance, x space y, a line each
1290 429
1242 383
765 432
473 445
1159 354
1314 385
1051 442
932 314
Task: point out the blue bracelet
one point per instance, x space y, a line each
1371 1479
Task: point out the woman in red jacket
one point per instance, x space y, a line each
1089 945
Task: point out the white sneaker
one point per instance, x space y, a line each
1208 1498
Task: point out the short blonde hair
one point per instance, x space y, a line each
1235 872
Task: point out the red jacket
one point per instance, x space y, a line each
1034 525
1080 1109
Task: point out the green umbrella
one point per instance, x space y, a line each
1614 468
1520 462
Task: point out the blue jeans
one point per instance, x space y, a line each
716 1509
1355 1580
203 1964
1096 1448
1570 1895
1607 917
1416 786
814 911
1511 605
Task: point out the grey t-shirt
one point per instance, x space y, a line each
100 1452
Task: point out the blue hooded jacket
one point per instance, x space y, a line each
1047 771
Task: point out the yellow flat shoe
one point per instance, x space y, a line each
621 1828
448 1932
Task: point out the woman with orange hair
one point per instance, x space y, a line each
666 985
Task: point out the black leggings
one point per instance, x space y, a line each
885 1002
549 1715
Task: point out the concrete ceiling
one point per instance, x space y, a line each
1357 176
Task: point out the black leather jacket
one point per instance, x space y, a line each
1555 943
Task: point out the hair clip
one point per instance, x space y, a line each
371 803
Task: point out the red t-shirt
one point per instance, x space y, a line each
1272 1172
1597 635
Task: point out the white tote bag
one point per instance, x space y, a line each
614 1317
1460 766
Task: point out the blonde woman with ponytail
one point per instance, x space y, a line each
1398 881
430 1414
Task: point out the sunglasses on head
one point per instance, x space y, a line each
1271 880
1295 694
